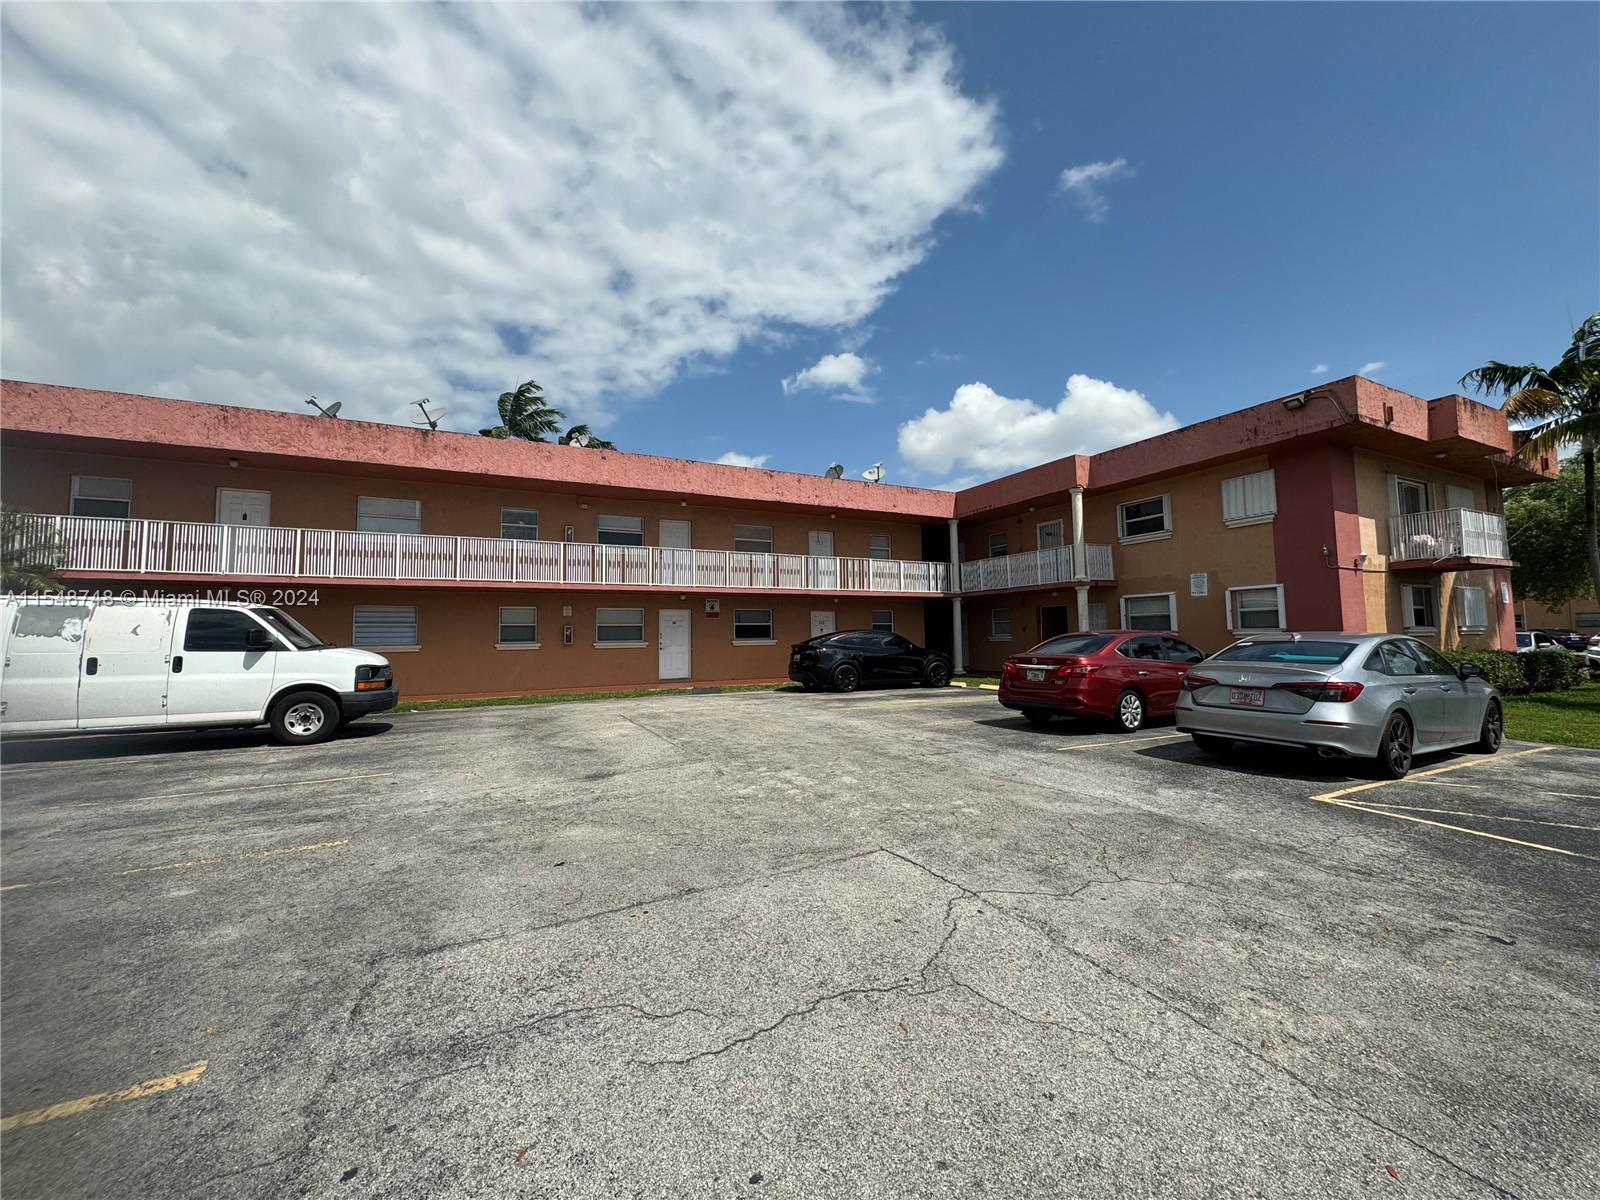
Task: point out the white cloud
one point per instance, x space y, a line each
1084 184
734 459
1320 369
378 203
1371 367
990 433
843 374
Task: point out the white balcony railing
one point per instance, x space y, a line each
1448 533
1036 567
261 551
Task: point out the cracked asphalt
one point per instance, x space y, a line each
891 944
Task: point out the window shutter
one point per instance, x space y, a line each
385 625
1250 497
1472 608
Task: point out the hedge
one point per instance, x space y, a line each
1513 674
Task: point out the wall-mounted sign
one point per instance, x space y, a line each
1199 584
1505 592
713 607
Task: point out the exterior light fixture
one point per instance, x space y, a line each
1295 403
233 462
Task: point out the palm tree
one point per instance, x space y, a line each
579 435
526 414
30 552
1562 406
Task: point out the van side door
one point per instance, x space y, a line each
43 657
125 666
218 675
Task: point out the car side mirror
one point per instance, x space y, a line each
258 639
1470 670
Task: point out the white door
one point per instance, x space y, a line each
1050 535
674 644
675 534
235 507
125 666
824 567
216 675
822 622
43 664
1459 497
677 560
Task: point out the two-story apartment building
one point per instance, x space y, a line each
497 567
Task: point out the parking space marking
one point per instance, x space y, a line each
1457 812
71 1108
1569 795
259 787
1493 837
1124 741
1488 760
245 856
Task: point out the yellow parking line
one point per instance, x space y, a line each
1421 775
245 856
1124 741
1456 812
70 1108
1494 837
1570 795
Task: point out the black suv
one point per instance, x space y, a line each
844 661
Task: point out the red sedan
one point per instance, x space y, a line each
1121 675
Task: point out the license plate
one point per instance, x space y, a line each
1035 674
1247 697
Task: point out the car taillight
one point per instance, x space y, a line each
1335 691
1193 683
1008 667
1076 669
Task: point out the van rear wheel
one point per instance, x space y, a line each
304 718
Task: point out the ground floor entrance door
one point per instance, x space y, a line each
822 622
1052 621
674 643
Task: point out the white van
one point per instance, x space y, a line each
99 664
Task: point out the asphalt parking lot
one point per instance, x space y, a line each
886 944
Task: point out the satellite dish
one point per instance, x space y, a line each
834 470
581 440
331 410
430 416
874 473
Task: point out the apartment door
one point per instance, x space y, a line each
677 560
235 507
824 567
822 622
674 643
1052 621
1054 564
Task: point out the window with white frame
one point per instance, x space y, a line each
619 626
1155 610
753 539
1147 518
519 524
1409 496
1250 499
878 546
1097 616
99 496
997 545
375 514
619 531
518 627
752 625
1000 624
393 626
1419 606
1472 609
883 620
1253 608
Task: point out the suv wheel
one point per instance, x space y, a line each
304 718
846 677
937 674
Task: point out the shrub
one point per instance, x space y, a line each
1513 674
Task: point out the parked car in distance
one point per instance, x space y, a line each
1125 676
81 665
1379 696
1567 639
851 658
1532 641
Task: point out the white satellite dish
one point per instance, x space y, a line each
874 473
834 470
331 410
430 416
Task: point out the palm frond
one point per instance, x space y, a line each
1502 379
1556 435
1536 404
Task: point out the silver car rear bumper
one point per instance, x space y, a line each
1284 729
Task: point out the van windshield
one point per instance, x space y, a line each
290 630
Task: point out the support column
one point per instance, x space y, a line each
956 658
1083 608
1080 567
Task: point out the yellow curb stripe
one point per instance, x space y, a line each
70 1108
247 856
1494 837
1420 775
1456 812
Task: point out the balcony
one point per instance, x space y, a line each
1036 568
107 546
1448 539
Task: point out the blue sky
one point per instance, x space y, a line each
663 214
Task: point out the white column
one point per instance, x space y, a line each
1080 567
955 604
1083 608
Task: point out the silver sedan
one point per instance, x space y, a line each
1363 695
